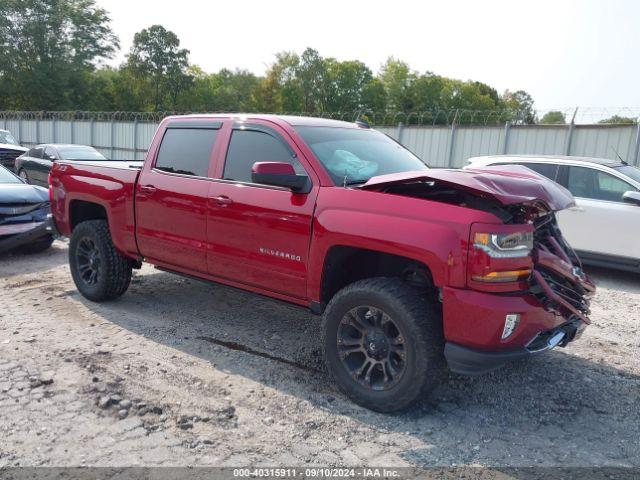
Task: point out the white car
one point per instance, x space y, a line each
604 226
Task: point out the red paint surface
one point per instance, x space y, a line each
274 242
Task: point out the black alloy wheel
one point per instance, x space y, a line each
371 348
89 261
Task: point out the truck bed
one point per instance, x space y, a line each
109 184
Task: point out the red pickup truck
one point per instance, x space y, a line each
413 269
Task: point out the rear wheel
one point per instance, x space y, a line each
98 270
22 173
383 343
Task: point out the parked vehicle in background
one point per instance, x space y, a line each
10 149
604 225
24 215
34 166
413 268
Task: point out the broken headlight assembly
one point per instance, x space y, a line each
504 245
501 257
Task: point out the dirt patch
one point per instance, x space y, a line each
177 372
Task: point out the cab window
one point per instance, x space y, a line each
596 185
186 151
247 147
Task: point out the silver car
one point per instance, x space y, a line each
34 166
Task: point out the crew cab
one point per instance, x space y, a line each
414 270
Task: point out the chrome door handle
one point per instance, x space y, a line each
223 200
147 189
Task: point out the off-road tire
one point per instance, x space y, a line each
37 246
419 322
115 275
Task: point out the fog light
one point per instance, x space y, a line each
511 322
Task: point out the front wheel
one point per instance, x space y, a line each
98 270
383 343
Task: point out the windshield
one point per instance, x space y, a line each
354 155
6 137
80 153
7 177
632 172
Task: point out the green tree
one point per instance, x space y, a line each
374 96
280 91
311 75
617 119
48 48
553 117
345 84
156 58
519 105
397 78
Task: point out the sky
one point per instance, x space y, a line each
565 53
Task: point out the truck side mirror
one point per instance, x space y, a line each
632 197
280 174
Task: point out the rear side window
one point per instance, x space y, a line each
250 146
186 151
548 170
50 154
590 183
35 152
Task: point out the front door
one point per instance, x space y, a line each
258 234
600 222
171 199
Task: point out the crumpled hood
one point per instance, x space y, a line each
22 193
508 184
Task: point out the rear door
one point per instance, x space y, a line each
172 197
600 222
259 234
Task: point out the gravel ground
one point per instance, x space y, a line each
179 372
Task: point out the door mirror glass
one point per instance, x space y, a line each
279 174
632 197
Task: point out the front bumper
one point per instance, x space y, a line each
40 229
469 361
474 322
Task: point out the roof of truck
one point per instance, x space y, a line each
292 120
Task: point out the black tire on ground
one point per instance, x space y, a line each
22 173
419 326
37 246
98 270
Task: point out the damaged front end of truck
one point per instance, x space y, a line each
526 290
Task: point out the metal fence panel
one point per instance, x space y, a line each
439 146
596 141
82 132
538 140
475 141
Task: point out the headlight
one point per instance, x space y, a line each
504 245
